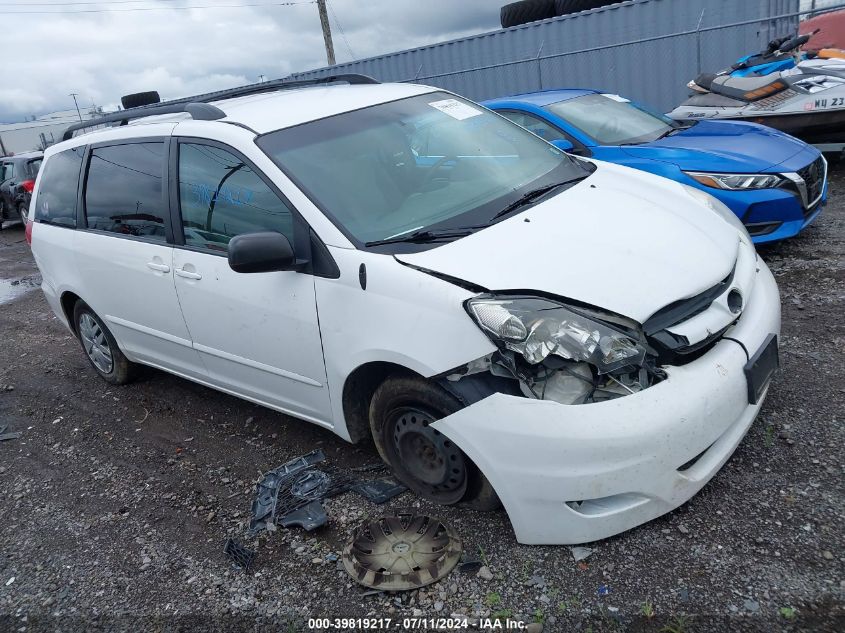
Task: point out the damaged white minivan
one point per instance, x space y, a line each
583 343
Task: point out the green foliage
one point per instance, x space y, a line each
677 624
503 614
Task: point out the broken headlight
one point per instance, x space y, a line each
539 328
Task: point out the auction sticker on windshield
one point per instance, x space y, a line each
455 109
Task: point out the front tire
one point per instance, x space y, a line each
100 347
426 461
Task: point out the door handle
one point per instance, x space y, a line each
187 274
162 268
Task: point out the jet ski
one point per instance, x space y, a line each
807 101
782 53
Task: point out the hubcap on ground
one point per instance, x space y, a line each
401 551
426 456
95 343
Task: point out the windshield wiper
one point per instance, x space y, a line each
427 235
531 196
673 131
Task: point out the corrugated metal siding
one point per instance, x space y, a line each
645 49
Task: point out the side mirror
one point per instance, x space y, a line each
562 143
261 253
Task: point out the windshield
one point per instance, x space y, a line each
428 162
612 120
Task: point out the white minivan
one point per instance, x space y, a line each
584 343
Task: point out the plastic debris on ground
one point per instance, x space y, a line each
292 494
379 490
267 490
238 554
401 551
8 436
580 553
469 564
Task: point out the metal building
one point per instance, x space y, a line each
40 132
645 49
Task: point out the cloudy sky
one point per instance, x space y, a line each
102 50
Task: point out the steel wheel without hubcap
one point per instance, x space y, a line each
426 459
95 343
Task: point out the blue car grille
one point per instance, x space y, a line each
814 177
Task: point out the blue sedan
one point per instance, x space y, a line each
775 183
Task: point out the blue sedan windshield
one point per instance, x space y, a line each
611 120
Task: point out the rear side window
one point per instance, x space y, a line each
123 191
56 201
221 197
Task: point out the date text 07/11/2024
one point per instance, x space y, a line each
412 624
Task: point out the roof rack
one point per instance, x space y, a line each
199 107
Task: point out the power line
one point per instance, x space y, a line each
168 8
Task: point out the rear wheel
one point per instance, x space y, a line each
23 212
100 347
402 412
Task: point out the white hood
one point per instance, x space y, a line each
622 240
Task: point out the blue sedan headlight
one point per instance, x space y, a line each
736 182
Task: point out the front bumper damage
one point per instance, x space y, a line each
577 473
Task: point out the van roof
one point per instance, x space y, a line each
259 108
270 111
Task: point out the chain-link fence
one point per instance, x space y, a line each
644 49
811 7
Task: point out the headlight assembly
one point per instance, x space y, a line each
540 328
737 182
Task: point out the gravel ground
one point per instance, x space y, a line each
116 502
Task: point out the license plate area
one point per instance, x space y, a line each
761 367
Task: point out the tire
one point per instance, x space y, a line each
23 211
422 458
525 11
139 99
566 7
94 336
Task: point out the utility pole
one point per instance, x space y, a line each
73 94
327 31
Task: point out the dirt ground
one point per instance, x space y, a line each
116 502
